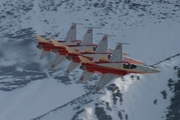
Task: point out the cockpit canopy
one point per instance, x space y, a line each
129 66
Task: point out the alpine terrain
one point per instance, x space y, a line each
30 91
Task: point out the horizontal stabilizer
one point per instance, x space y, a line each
77 23
123 43
124 53
94 27
43 54
109 35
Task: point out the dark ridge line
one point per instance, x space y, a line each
86 94
164 60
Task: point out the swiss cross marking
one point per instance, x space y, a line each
104 38
52 66
117 47
81 78
89 31
72 27
97 88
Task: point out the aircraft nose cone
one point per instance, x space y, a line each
155 71
152 70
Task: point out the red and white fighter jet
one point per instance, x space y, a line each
115 68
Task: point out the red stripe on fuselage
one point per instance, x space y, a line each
95 53
112 62
75 57
102 69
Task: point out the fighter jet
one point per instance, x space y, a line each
115 68
86 45
101 54
70 39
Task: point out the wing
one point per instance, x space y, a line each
85 76
57 61
104 80
56 43
42 40
70 50
71 67
85 60
43 54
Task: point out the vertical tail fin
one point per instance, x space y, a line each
103 45
52 37
117 53
88 37
72 33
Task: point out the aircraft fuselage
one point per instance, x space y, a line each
118 68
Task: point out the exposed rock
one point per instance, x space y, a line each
101 114
155 101
120 115
164 94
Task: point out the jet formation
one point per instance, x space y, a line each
92 58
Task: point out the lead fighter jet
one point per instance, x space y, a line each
115 68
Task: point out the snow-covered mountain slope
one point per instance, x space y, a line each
131 98
29 90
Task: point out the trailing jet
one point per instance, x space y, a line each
116 67
70 39
86 45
